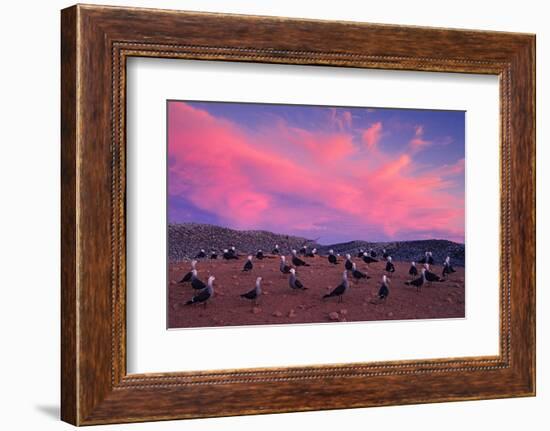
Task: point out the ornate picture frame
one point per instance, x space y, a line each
96 41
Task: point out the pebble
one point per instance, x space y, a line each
277 314
291 313
256 310
343 311
333 315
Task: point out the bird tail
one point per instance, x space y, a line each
307 264
408 283
328 295
189 302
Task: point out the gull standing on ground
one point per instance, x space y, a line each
384 290
248 265
349 264
389 265
189 275
430 276
368 259
296 261
356 273
332 258
254 293
340 289
418 282
205 294
293 282
283 267
195 282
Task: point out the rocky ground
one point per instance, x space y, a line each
185 240
280 305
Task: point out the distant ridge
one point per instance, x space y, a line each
186 239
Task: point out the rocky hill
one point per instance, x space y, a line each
186 239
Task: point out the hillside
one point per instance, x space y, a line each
186 239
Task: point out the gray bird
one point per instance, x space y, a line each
293 282
187 277
205 294
340 289
255 293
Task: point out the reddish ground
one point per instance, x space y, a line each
280 305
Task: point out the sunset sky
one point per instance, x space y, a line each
332 174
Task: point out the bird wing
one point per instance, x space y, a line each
430 276
339 290
197 284
202 296
383 291
250 295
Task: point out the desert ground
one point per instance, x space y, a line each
281 305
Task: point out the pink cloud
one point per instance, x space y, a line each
372 135
418 142
302 181
455 169
341 120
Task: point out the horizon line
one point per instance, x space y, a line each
313 240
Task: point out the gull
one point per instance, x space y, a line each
205 294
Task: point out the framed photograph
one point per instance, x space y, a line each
264 215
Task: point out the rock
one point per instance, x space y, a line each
343 311
291 313
173 282
277 314
301 307
256 310
390 314
186 238
334 316
450 300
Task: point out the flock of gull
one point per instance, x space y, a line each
289 268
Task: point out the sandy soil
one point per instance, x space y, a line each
281 305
